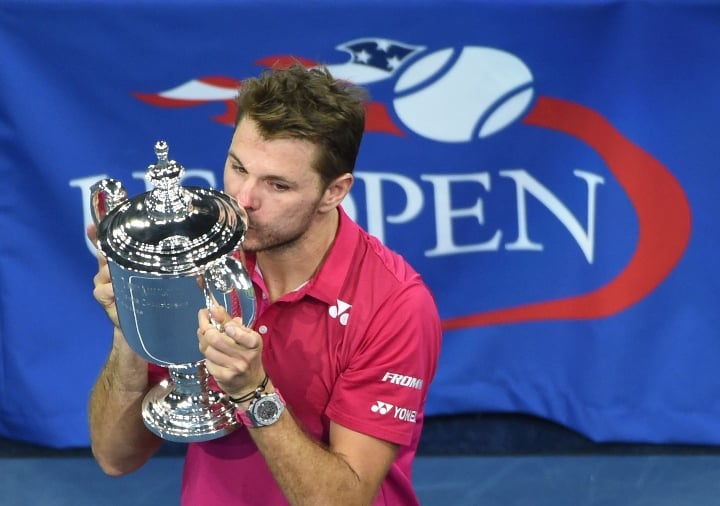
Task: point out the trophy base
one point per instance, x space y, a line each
185 417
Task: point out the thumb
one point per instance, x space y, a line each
219 314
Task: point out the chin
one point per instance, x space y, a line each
249 247
249 243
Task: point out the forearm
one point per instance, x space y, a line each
119 440
308 473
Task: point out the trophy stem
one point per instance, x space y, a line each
186 409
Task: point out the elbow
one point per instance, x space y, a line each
117 466
112 470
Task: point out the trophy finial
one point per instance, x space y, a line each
161 150
167 200
165 173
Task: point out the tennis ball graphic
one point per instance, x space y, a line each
458 96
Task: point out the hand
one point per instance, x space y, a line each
234 356
103 291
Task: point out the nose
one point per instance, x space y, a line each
247 195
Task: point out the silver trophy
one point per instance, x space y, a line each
172 251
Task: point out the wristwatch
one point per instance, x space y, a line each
264 410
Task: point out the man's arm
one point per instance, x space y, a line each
119 440
118 437
348 472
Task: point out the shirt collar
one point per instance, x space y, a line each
330 277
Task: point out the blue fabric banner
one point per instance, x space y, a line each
550 168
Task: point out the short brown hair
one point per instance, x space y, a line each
308 104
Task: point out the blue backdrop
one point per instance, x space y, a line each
549 167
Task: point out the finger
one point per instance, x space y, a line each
244 337
91 232
219 313
105 295
204 322
225 367
217 319
218 345
103 275
241 342
102 261
214 319
103 282
103 290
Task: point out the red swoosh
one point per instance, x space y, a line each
377 118
662 209
227 117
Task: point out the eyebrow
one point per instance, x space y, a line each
270 177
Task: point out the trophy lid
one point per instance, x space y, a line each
171 230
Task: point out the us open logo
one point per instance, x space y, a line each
444 95
457 95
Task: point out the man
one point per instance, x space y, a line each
347 336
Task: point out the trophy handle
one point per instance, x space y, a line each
228 274
105 195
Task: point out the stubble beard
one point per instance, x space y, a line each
277 243
274 244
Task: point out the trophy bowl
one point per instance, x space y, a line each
172 251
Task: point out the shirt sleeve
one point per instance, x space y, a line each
382 390
156 373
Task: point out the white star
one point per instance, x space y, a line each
363 56
393 62
383 45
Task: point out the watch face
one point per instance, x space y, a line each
267 409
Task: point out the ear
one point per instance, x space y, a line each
336 191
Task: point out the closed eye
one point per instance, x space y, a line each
279 186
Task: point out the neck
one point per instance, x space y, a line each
286 269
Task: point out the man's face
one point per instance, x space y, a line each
275 182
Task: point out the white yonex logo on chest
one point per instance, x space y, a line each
340 311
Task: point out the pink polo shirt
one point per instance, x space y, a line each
358 344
